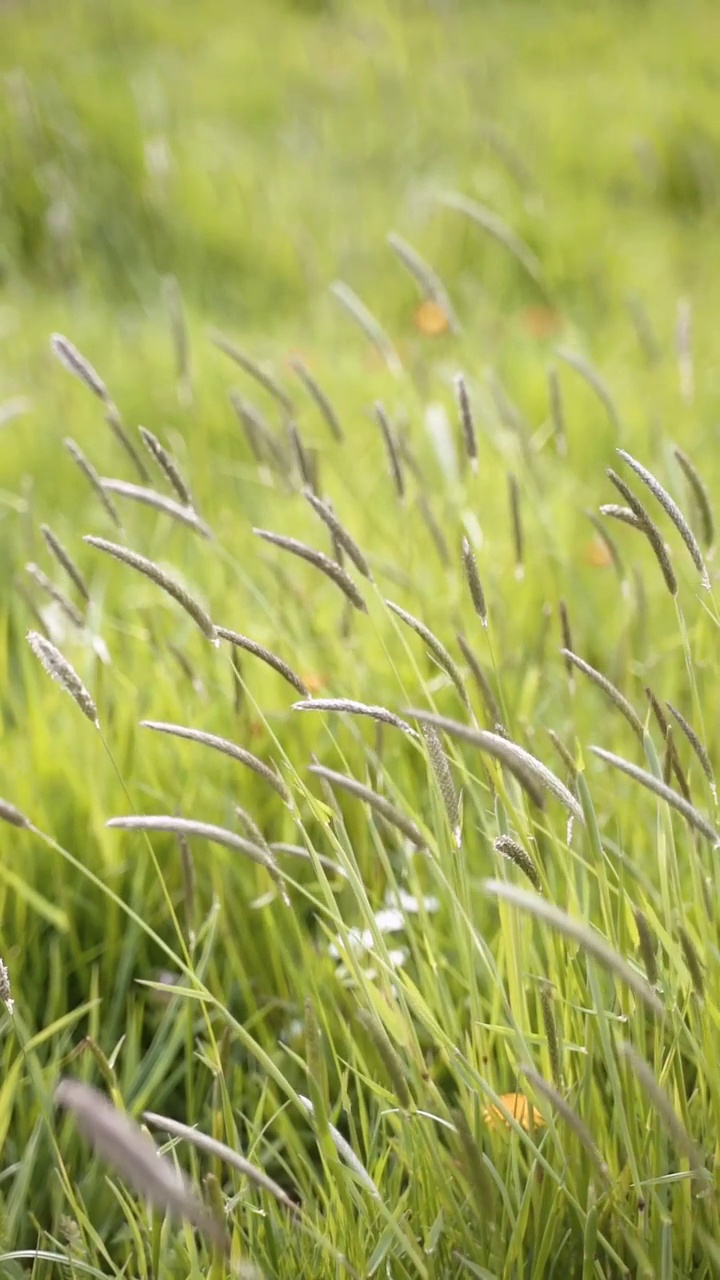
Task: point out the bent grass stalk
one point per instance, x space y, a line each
609 689
339 532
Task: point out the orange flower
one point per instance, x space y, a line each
431 319
519 1107
597 554
541 322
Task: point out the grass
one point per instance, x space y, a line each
448 1072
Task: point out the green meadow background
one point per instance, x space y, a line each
229 164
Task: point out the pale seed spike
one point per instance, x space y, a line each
516 521
266 656
700 493
219 1150
115 423
515 853
61 600
427 280
65 561
658 788
318 395
13 816
593 379
367 322
121 1143
163 580
201 831
329 567
571 1118
392 449
167 465
298 450
436 647
71 359
649 528
60 670
466 421
608 542
577 930
224 746
444 778
159 502
339 532
608 688
94 480
623 514
502 749
672 511
350 707
370 797
662 1104
695 743
252 368
477 595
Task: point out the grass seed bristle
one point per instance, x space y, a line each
520 857
72 613
251 367
649 528
11 815
377 802
369 325
443 776
225 747
436 647
93 478
71 359
121 1143
673 513
265 655
516 523
318 395
651 783
700 494
163 580
466 420
648 946
159 502
593 380
65 561
350 707
612 692
339 532
695 743
318 560
428 281
477 595
60 670
167 465
391 447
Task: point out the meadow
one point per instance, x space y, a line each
359 830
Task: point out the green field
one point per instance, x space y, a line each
449 1062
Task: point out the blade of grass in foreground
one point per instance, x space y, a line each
580 932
